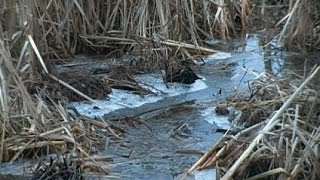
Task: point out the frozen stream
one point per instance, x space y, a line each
181 121
181 117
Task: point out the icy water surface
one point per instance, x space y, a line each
177 124
180 123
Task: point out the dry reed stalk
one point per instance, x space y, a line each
52 76
103 124
288 18
36 145
59 30
221 20
175 20
269 173
72 88
270 125
93 160
4 114
301 30
245 14
222 150
288 149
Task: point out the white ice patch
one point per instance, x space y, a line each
205 174
154 83
211 117
253 44
120 99
218 56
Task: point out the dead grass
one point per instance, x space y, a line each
301 25
35 33
38 34
293 22
281 138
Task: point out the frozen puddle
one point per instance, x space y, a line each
121 103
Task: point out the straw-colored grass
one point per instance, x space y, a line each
301 25
281 140
37 35
105 26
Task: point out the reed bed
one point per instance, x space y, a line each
281 137
38 35
300 26
118 26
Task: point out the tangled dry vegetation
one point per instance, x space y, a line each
301 26
282 135
38 35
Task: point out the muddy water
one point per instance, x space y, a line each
178 124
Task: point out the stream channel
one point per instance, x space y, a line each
179 120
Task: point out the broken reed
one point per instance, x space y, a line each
59 29
281 143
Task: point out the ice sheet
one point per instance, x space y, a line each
121 99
